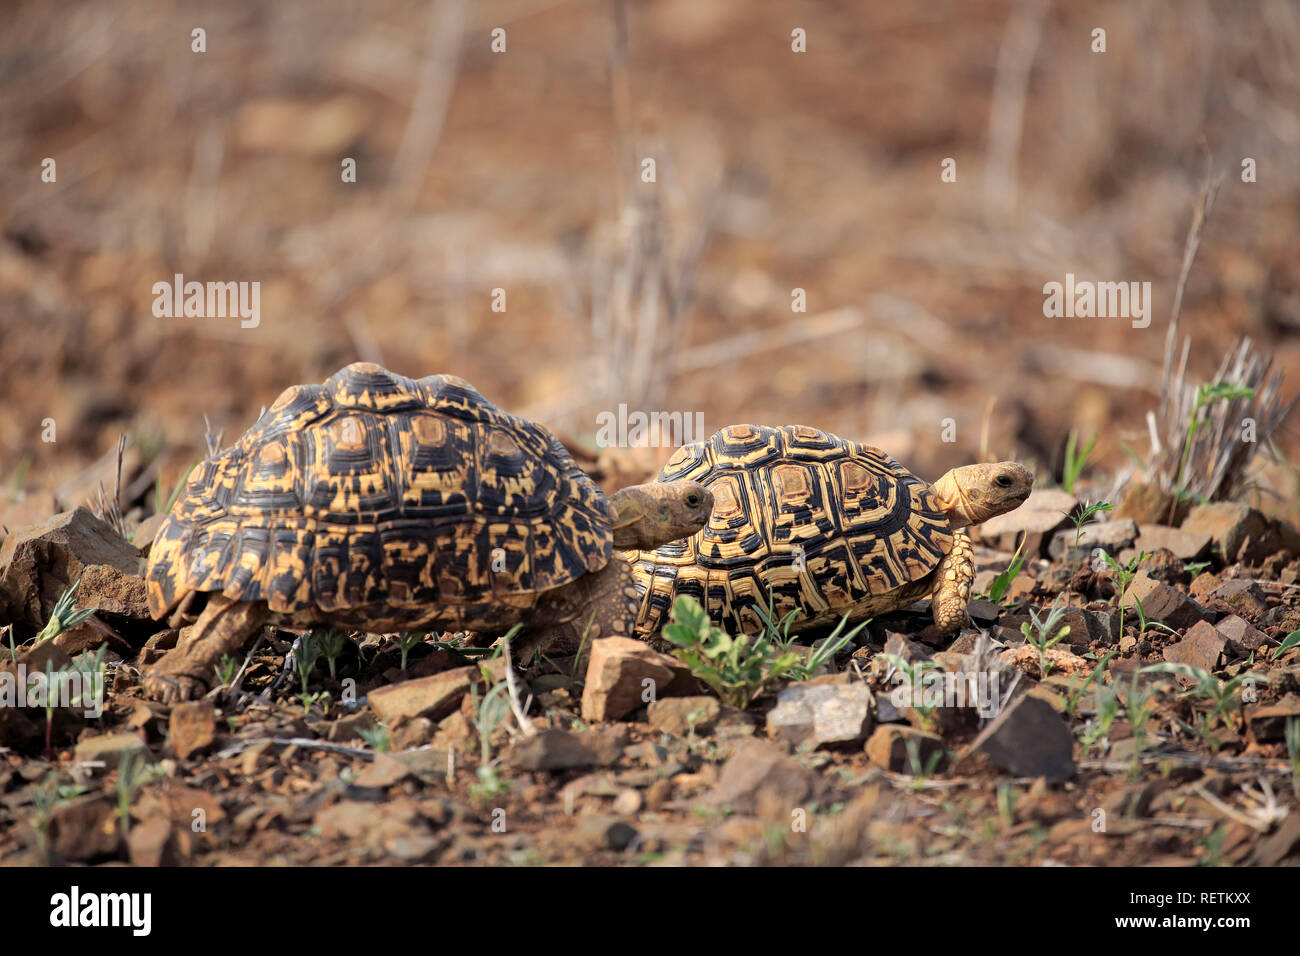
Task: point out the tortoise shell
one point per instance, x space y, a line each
831 526
384 502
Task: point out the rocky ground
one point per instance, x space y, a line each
366 758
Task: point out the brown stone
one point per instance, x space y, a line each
760 779
1148 504
1242 638
1244 596
434 696
561 750
1184 544
1029 739
1231 526
1161 602
193 727
617 674
887 747
678 715
1201 647
1268 722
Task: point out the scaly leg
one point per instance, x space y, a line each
185 672
952 581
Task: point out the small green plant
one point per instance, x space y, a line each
922 770
1107 703
1075 694
64 618
305 660
1138 707
1288 642
377 736
225 669
913 677
132 773
1002 583
737 668
1075 460
490 712
1144 625
331 642
406 641
1205 394
1044 633
1224 696
1006 804
46 798
1124 573
1193 568
1085 514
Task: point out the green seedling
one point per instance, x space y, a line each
922 770
1193 568
1144 624
132 773
161 506
1075 694
1125 573
1075 460
46 798
225 669
782 639
1288 642
1006 804
1224 696
1139 710
331 642
737 668
64 618
490 712
913 674
1085 514
305 660
1205 394
377 736
406 641
1044 633
1002 583
1107 703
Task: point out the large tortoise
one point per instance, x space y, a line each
831 526
379 503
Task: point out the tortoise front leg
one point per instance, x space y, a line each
185 671
952 582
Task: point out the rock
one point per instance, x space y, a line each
760 779
561 750
617 674
602 833
1059 660
1203 584
820 714
1160 602
43 561
1244 596
677 715
1183 544
20 510
908 650
628 802
150 843
1088 626
1110 536
888 747
1029 739
84 828
1201 647
1242 638
142 537
192 726
347 728
113 594
383 772
413 732
1268 722
434 696
111 748
1042 514
1149 505
417 848
983 613
1230 526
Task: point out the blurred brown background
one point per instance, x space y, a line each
521 171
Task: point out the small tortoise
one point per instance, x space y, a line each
831 526
378 503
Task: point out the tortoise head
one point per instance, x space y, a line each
975 493
651 515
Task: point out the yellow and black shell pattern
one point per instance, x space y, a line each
375 498
830 526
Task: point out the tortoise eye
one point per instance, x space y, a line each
1004 481
692 499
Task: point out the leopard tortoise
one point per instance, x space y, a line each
379 503
830 526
